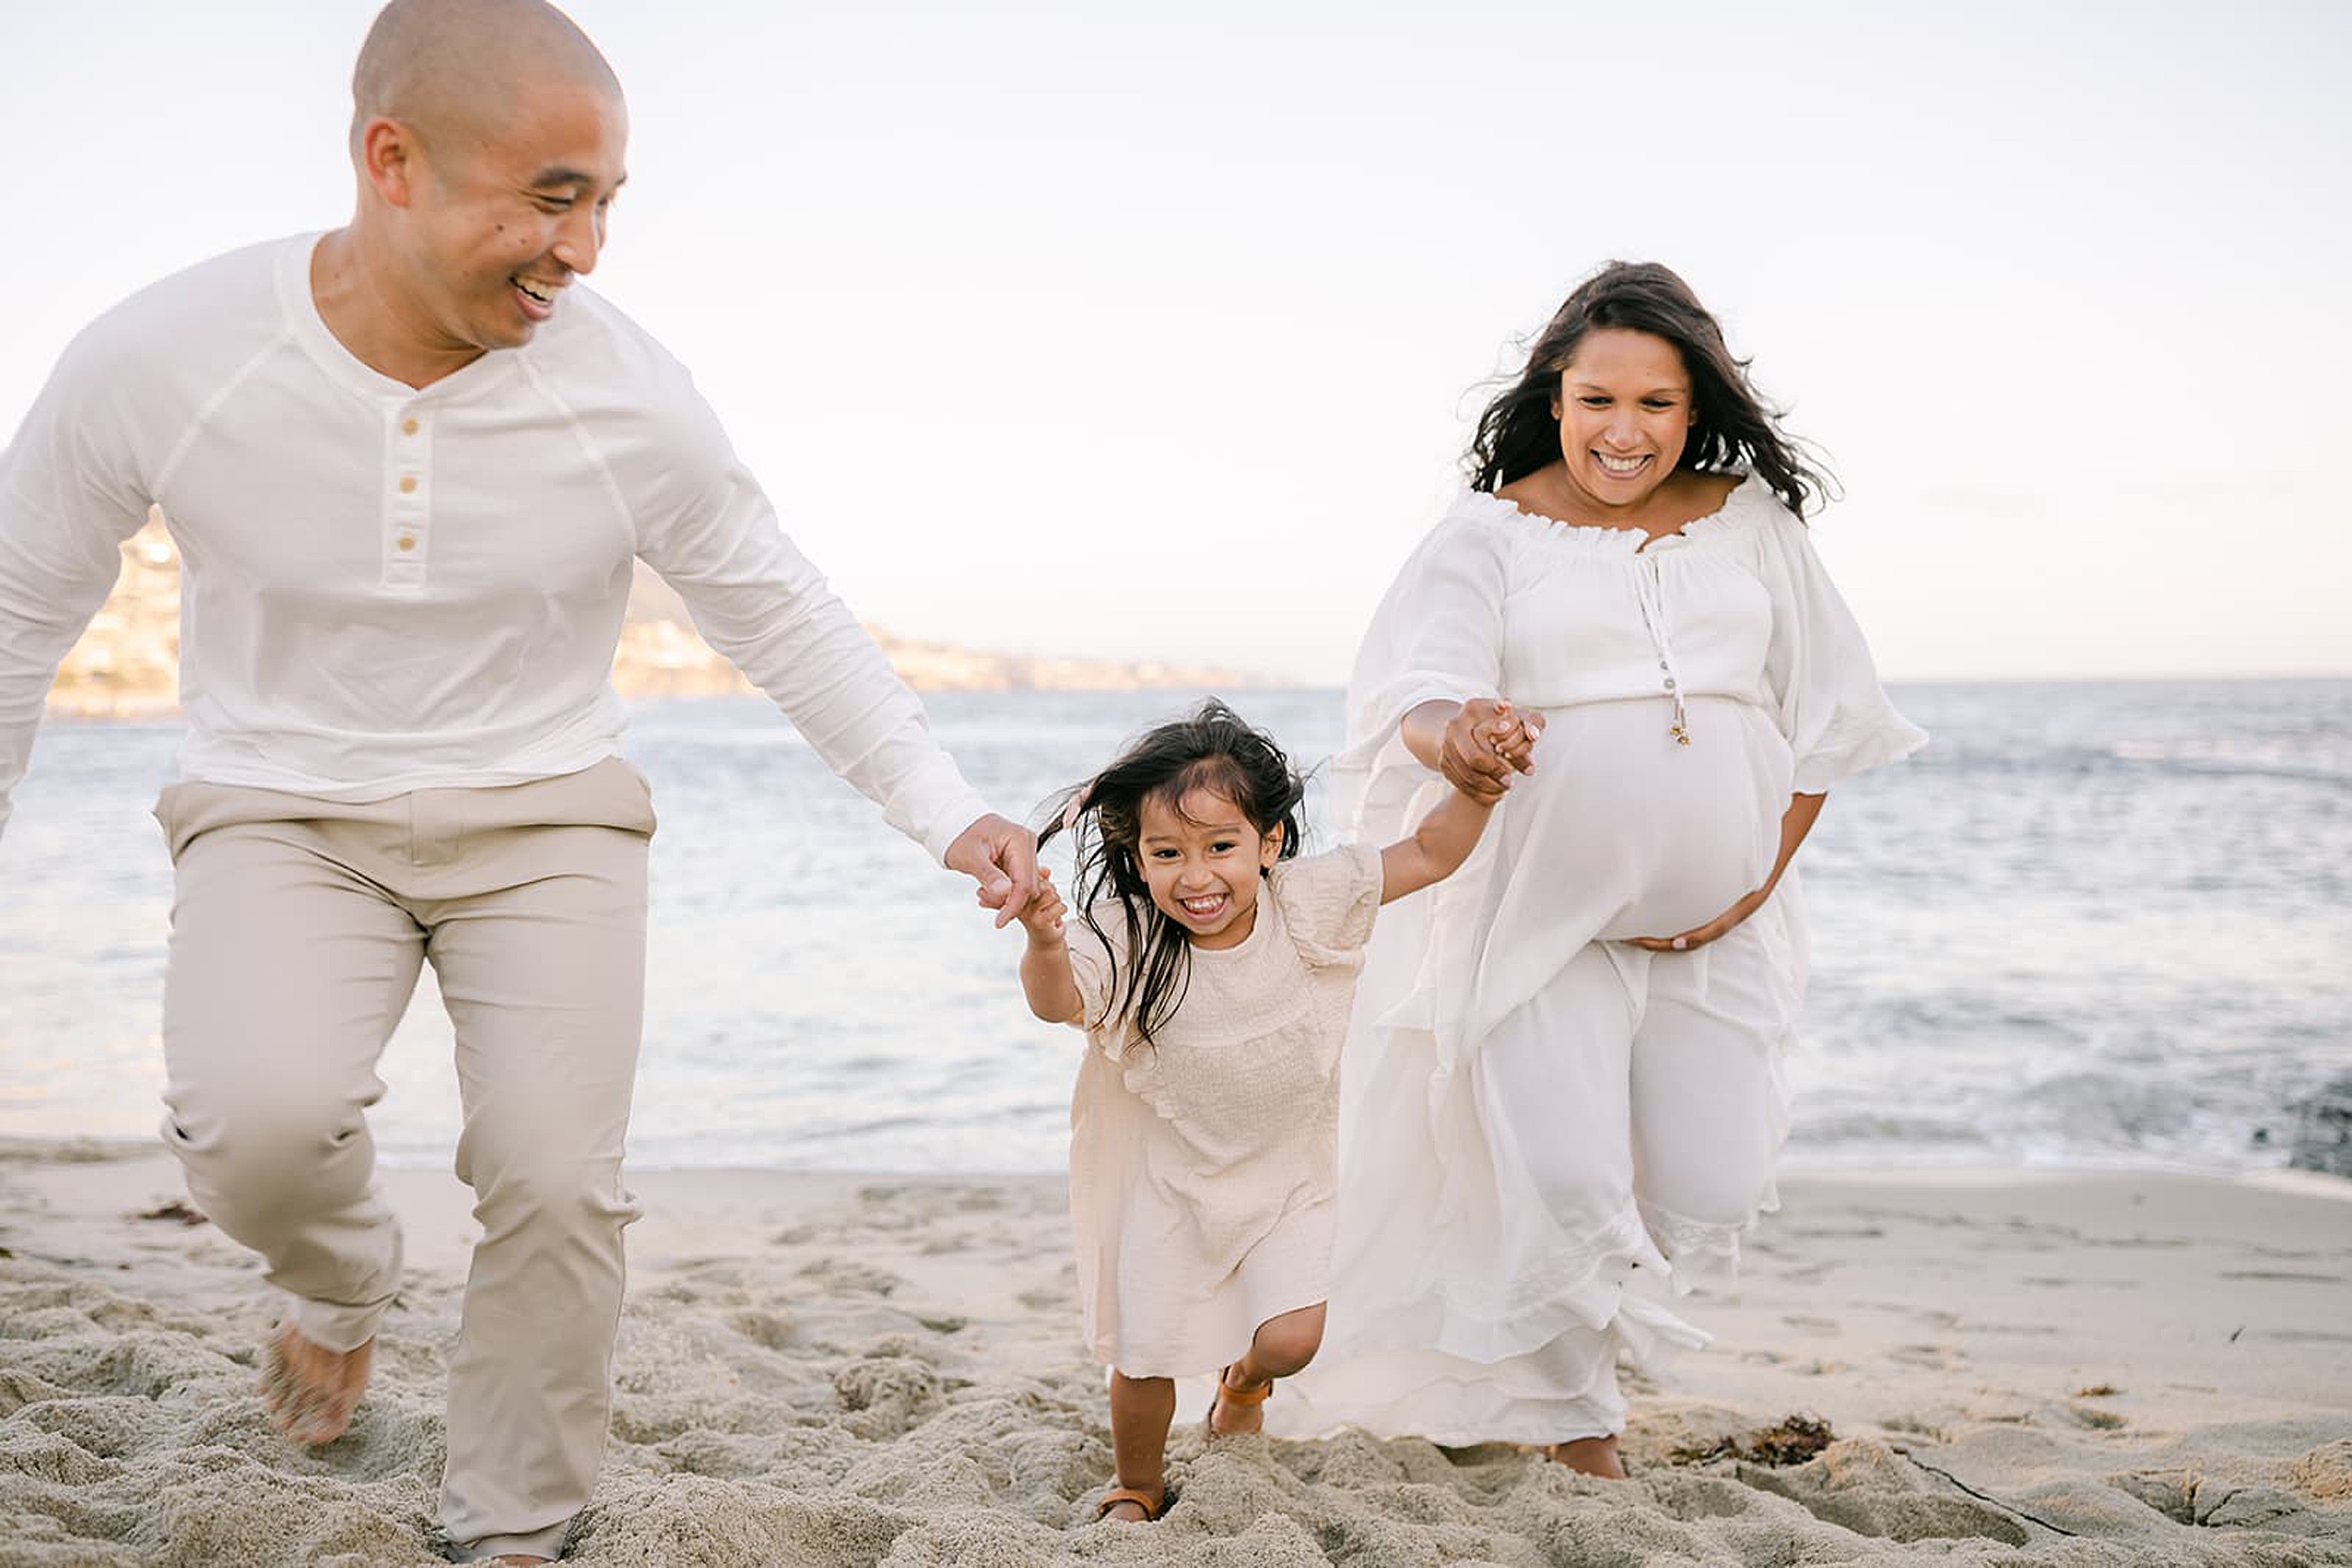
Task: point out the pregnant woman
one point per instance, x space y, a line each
1562 1070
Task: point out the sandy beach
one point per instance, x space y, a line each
841 1371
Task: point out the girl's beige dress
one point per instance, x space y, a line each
1201 1167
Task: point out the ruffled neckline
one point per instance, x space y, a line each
1630 543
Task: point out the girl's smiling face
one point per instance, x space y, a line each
1202 862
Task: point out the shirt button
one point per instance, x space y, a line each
408 427
407 483
1670 683
407 541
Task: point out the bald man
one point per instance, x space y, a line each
411 465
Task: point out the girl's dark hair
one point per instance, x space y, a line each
1517 433
1210 749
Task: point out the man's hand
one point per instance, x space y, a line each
1001 856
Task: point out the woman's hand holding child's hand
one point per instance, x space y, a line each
1484 744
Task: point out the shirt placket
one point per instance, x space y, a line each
408 499
1649 588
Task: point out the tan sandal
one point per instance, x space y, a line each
1226 1395
1118 1495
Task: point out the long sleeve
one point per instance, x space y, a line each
1437 635
1440 631
760 602
69 497
1837 719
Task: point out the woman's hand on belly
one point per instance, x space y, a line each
1795 823
1699 936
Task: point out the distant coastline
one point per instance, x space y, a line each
127 663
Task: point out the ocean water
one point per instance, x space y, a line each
2091 925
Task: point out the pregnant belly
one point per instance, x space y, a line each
1644 836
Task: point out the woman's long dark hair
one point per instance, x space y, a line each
1210 749
1518 432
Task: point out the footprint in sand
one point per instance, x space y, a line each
1867 1488
884 1395
767 1330
2094 1418
848 1277
1835 1232
2190 1497
1934 1317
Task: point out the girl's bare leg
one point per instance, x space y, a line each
1281 1346
1141 1407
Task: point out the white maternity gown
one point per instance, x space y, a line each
1534 1112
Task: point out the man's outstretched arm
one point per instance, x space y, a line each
761 603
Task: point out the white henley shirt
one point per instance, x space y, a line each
388 589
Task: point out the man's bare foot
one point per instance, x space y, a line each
311 1392
1592 1456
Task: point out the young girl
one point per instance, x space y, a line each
1213 971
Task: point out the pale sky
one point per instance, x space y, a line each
1155 331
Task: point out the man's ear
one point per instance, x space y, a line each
391 159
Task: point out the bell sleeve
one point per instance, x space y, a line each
1437 635
1822 683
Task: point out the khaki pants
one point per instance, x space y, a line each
298 929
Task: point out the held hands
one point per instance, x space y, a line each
1699 936
1043 916
1047 980
1001 856
1484 744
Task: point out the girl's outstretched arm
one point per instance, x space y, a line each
1045 976
1441 843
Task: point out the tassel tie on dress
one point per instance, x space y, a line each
1649 592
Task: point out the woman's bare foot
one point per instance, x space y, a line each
311 1392
1239 1408
1591 1456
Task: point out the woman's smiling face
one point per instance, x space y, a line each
1625 413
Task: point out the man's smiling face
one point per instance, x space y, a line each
499 223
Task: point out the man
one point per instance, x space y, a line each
410 467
